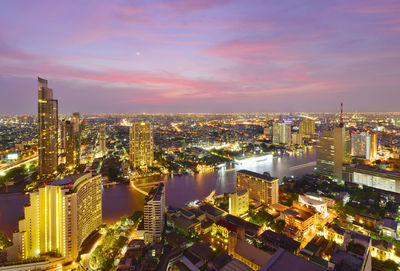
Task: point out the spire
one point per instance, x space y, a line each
341 115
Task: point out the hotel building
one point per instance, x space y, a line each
261 187
59 217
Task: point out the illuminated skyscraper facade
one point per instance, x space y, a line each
154 213
364 146
76 121
141 145
48 130
59 217
281 133
307 127
70 145
102 139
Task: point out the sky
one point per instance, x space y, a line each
218 56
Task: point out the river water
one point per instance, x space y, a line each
122 199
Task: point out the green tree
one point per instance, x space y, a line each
4 242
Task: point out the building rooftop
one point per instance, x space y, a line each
264 176
390 224
280 239
155 193
252 253
298 213
211 210
284 260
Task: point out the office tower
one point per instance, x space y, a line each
141 145
102 140
239 202
307 127
48 130
333 150
77 136
76 120
297 139
154 213
261 187
281 133
59 217
61 125
70 145
364 146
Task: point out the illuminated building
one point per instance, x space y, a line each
220 234
281 133
70 145
373 177
48 130
141 145
239 202
102 139
261 187
59 217
364 146
314 203
300 221
307 127
154 212
333 149
77 135
296 139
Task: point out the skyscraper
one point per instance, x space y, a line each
154 213
141 146
102 139
281 133
59 218
77 136
48 130
70 145
333 149
364 146
307 127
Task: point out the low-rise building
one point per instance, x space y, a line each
276 240
239 202
300 221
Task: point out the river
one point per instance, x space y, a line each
122 199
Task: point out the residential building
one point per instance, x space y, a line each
261 187
102 140
154 213
297 139
281 133
300 221
141 146
239 202
48 130
307 127
364 146
59 217
70 145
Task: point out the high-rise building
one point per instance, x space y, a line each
48 130
364 146
141 146
154 213
307 127
102 139
70 145
261 187
239 202
281 133
59 217
76 121
333 149
297 139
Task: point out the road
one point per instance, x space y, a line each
24 161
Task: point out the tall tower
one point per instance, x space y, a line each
102 139
48 130
141 146
281 133
307 127
77 129
70 145
154 213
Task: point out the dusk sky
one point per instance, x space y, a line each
201 56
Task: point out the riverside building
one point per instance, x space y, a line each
59 217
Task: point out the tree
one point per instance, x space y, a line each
278 225
4 242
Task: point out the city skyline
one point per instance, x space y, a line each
189 56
